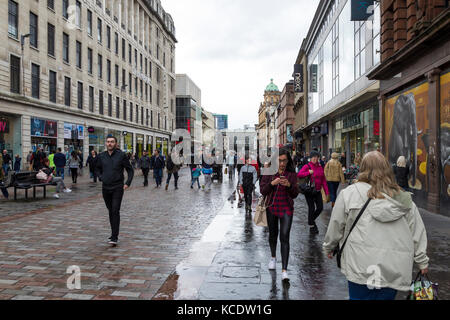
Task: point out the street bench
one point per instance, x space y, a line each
25 181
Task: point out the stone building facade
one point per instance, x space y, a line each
266 130
86 69
285 116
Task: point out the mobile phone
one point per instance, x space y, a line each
282 177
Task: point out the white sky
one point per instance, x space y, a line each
232 48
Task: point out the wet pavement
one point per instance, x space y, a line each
184 244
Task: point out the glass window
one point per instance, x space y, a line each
13 19
100 66
51 39
89 22
52 86
66 47
124 110
79 54
51 4
99 30
116 74
328 69
91 99
78 14
109 105
33 30
35 80
90 60
116 43
108 37
346 48
80 95
100 102
376 35
108 71
67 91
117 107
65 7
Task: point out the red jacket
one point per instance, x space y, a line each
319 175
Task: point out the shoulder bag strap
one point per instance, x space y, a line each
354 224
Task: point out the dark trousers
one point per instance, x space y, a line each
94 176
315 207
248 191
362 292
113 201
5 192
175 175
158 176
74 174
284 230
60 172
145 172
333 188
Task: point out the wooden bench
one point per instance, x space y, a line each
25 181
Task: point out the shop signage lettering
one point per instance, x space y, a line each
298 78
313 80
352 120
362 10
4 126
376 127
91 129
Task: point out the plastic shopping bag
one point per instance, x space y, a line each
423 289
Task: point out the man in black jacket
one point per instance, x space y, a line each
110 166
60 162
145 167
157 163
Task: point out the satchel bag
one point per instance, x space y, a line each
307 185
338 251
260 218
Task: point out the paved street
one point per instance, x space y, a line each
184 244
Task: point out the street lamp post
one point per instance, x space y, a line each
22 43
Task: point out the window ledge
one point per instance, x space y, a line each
66 63
51 56
13 38
34 48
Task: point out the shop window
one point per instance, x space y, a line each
35 80
15 74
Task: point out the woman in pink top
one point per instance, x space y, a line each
315 202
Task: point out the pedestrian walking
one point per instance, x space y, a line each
60 162
50 178
3 188
157 164
280 191
334 175
247 179
323 162
92 163
37 160
110 167
172 169
196 173
343 160
51 159
401 171
74 165
231 166
207 173
145 166
80 166
314 199
389 236
17 163
7 160
30 154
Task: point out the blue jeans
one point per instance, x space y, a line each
6 168
60 172
362 292
333 188
5 192
194 180
158 176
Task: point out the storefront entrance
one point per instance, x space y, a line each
73 137
10 134
44 134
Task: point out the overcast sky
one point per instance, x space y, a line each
232 48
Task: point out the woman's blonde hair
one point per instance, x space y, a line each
376 171
358 160
401 162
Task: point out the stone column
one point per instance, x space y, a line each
433 176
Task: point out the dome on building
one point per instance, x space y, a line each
271 87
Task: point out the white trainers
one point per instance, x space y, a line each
284 276
56 196
67 190
273 264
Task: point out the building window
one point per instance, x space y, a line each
136 58
123 79
33 30
99 30
66 47
80 95
146 67
157 52
51 4
141 87
91 99
52 86
172 85
89 22
90 60
137 114
116 74
131 111
150 69
78 54
360 48
124 110
146 117
129 53
141 62
142 115
67 91
13 19
151 94
146 92
108 71
117 107
78 14
108 37
158 75
109 105
35 80
136 86
130 82
159 121
65 7
123 49
335 57
100 102
100 66
51 39
158 98
116 43
151 118
376 26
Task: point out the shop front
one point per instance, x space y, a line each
150 144
139 144
10 134
44 134
127 142
165 147
159 143
96 139
73 137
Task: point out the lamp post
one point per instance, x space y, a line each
22 43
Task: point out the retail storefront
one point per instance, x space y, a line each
139 144
150 144
10 134
159 143
165 148
44 134
73 137
96 139
127 142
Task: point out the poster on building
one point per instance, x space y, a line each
408 135
44 128
73 131
445 136
290 138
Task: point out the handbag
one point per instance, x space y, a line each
307 185
260 218
41 175
338 250
422 288
325 197
226 170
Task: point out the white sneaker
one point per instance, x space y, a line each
284 276
56 196
67 190
273 264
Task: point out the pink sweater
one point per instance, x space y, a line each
319 175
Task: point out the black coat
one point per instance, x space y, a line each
92 162
401 174
110 169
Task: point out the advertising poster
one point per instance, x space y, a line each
445 135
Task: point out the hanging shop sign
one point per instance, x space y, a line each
362 10
313 79
298 78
